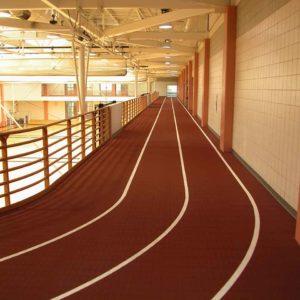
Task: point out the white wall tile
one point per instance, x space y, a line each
267 100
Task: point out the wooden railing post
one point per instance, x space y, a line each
109 122
82 118
69 143
46 157
93 130
5 170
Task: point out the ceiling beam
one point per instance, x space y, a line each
140 35
161 55
155 21
112 16
152 50
94 4
31 26
158 45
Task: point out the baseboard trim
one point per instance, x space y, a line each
277 197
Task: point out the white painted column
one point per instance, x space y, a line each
136 90
148 85
82 79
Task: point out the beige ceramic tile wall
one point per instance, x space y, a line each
200 83
215 91
267 100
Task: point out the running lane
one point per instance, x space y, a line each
154 200
274 269
207 246
91 189
198 257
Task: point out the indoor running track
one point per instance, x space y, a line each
154 214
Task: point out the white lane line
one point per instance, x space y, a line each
101 215
149 246
235 276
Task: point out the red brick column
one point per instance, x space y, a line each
228 79
45 103
186 85
183 86
179 87
204 119
195 96
114 90
190 99
298 221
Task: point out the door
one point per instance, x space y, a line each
171 90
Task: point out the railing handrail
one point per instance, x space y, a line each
23 130
92 136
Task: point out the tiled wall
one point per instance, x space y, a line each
200 83
267 93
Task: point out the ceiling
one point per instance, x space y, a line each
119 35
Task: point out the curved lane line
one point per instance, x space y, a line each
153 243
124 194
235 276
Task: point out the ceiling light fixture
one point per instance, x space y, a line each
167 57
52 36
167 44
167 62
5 14
165 26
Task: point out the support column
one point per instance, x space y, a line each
180 87
190 99
114 90
136 84
227 105
298 221
2 105
148 85
196 81
206 49
186 85
46 110
82 79
183 86
45 103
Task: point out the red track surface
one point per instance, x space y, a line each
193 262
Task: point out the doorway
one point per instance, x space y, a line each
172 90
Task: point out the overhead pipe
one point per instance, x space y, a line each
96 36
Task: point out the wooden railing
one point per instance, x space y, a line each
51 150
154 96
131 108
34 158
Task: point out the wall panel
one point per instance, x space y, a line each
267 93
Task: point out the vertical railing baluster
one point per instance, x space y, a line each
82 118
5 170
93 131
109 122
69 143
102 127
98 127
46 157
